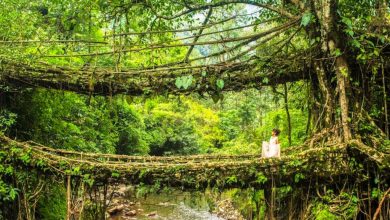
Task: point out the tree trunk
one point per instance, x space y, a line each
285 96
326 13
342 72
326 91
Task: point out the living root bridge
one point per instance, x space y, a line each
199 171
236 77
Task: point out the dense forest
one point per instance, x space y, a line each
189 80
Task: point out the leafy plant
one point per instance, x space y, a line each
184 82
307 18
7 119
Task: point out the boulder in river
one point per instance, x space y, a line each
131 213
152 214
116 209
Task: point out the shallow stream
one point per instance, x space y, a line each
175 205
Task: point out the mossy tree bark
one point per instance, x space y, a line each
336 66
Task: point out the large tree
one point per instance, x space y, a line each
341 47
208 46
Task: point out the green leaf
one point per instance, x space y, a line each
356 43
350 32
25 158
298 177
115 174
187 81
76 170
13 193
220 83
376 52
261 178
376 193
231 179
178 82
382 39
337 52
265 80
9 170
347 21
306 18
370 43
184 82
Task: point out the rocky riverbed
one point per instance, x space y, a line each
174 204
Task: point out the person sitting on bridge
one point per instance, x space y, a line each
271 149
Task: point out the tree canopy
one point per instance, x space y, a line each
146 47
158 77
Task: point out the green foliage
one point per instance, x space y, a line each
71 121
7 119
52 206
169 130
65 120
376 193
115 174
143 190
220 83
8 192
325 215
131 130
307 18
231 180
355 24
298 177
184 82
261 178
278 119
159 126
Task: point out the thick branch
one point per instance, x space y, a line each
198 35
236 77
265 40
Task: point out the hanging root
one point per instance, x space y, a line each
380 158
378 210
327 136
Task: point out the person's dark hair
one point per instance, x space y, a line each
277 131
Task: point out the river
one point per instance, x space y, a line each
173 204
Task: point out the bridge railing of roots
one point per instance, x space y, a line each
195 171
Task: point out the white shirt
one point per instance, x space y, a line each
273 140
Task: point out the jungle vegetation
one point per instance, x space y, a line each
164 78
